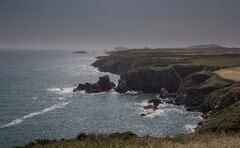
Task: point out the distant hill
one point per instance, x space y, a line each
206 46
120 48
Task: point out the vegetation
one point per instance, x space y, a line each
232 73
130 140
226 120
223 60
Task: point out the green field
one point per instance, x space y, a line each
217 61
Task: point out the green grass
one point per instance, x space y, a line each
217 61
225 120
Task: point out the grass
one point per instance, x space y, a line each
129 140
225 61
230 73
225 120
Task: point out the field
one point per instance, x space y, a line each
230 73
225 61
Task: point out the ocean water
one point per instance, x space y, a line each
37 102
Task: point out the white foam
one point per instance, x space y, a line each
89 69
158 112
132 92
20 120
65 90
61 98
190 128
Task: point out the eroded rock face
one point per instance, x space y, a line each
153 79
164 93
226 96
152 105
195 90
103 84
122 87
149 80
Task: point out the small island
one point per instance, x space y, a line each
80 52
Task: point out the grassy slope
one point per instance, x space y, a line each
230 73
207 140
225 120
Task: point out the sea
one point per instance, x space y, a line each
37 101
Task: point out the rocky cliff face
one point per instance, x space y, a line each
122 64
204 91
152 79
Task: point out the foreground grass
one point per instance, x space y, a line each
129 140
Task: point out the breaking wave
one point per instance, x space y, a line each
45 110
65 90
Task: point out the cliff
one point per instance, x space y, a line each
151 79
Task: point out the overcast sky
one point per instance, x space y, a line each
99 24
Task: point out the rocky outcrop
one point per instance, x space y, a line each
152 105
103 84
202 91
226 96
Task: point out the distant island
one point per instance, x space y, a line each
80 52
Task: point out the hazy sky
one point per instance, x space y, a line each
99 24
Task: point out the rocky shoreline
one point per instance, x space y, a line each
196 87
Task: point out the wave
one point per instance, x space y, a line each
89 69
65 90
132 92
20 120
158 112
190 128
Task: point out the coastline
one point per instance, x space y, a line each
205 128
199 88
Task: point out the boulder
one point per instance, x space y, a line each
155 102
103 84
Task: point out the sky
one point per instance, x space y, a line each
105 24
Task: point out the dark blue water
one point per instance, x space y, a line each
36 101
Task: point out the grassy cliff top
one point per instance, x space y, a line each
232 73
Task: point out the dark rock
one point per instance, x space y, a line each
81 136
164 93
103 84
122 87
150 107
152 79
155 102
